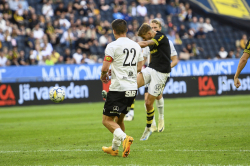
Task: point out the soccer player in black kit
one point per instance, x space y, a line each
158 71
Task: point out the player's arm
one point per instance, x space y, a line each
147 43
105 68
242 64
144 61
139 66
174 61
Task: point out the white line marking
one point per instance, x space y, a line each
89 150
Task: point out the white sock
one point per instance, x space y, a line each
119 134
115 143
160 106
131 112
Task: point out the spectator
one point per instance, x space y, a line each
238 51
189 16
182 15
38 32
231 54
243 41
55 56
82 43
2 23
47 46
182 32
169 22
132 10
196 51
49 61
200 34
3 60
186 53
193 26
77 56
103 5
20 10
171 36
159 18
208 26
1 36
68 59
7 11
68 38
47 9
177 40
223 54
171 9
60 10
21 60
13 4
60 60
201 23
33 21
103 40
125 14
32 58
24 4
64 22
141 10
117 15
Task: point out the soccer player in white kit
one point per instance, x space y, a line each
125 58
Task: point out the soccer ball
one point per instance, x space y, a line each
57 94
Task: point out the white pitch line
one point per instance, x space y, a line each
86 150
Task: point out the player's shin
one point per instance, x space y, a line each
150 117
116 143
118 133
160 106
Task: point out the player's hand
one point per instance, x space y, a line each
109 73
104 78
237 82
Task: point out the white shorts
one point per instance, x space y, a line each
155 79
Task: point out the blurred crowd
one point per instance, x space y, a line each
78 33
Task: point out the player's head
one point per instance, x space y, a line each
146 32
155 25
119 27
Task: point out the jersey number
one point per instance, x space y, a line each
130 93
125 63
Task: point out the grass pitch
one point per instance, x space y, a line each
211 130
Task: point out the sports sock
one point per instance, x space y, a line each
119 134
115 143
131 112
150 117
153 123
160 106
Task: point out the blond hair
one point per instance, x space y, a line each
144 29
156 22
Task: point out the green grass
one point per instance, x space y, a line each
211 130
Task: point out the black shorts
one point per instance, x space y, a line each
146 90
118 102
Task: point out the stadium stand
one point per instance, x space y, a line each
43 29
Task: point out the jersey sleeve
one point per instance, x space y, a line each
158 39
247 48
141 57
109 51
172 48
145 52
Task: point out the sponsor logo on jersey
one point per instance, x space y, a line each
158 87
7 96
153 51
206 86
227 85
161 38
130 73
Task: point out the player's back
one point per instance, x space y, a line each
126 54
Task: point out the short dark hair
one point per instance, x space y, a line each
119 26
144 29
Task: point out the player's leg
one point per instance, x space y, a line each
160 106
153 126
130 115
110 111
140 79
150 116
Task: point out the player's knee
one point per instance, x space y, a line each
149 104
159 97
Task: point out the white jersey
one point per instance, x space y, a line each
126 54
146 51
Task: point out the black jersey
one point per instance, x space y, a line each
247 48
160 53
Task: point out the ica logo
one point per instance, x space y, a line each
7 96
206 86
